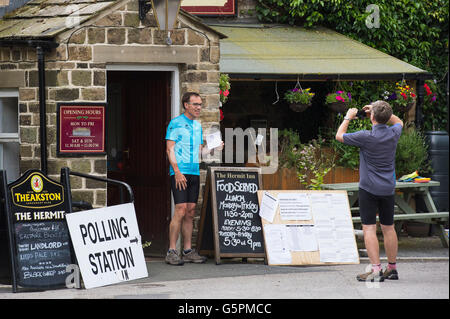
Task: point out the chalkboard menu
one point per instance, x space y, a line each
38 234
231 208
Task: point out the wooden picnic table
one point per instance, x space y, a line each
403 211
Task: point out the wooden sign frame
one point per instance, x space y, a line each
300 258
210 206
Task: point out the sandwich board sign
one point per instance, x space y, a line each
229 223
107 245
34 208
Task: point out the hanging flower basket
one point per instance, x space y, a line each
298 107
338 102
405 108
338 107
402 98
299 100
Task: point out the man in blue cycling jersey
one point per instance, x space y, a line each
184 144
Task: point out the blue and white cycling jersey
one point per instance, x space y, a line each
188 137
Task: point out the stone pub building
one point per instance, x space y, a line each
100 51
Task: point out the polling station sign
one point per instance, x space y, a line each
107 245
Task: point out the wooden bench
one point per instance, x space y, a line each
431 218
403 211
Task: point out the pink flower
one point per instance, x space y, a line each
340 98
339 92
226 93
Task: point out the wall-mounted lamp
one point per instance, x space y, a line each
165 12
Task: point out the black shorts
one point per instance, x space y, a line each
188 195
370 204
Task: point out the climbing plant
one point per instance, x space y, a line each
415 31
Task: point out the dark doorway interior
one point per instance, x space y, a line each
138 114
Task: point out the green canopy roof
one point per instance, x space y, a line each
259 51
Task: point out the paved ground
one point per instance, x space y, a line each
423 269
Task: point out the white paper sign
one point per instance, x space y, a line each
269 205
334 228
107 244
294 206
301 237
277 244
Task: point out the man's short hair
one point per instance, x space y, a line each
187 97
382 111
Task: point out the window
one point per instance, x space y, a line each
9 133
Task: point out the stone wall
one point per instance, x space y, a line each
76 72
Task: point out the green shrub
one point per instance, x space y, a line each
412 153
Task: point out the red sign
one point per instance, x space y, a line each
210 7
81 129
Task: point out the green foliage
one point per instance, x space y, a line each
289 143
415 31
224 86
311 161
347 155
313 164
412 153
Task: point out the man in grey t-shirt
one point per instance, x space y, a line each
376 182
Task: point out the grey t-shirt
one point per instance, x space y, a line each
376 157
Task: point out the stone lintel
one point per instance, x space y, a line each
144 54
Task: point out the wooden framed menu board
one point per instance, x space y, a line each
303 227
229 223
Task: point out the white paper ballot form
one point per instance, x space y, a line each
214 140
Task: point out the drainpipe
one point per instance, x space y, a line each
42 108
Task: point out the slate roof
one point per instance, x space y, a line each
44 19
262 50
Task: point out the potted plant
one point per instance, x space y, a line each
338 101
299 99
412 153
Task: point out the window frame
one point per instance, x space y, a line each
9 137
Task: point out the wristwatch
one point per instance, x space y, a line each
346 118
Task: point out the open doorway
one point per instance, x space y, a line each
139 110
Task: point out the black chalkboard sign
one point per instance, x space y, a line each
230 213
39 240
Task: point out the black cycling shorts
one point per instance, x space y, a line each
188 195
370 204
